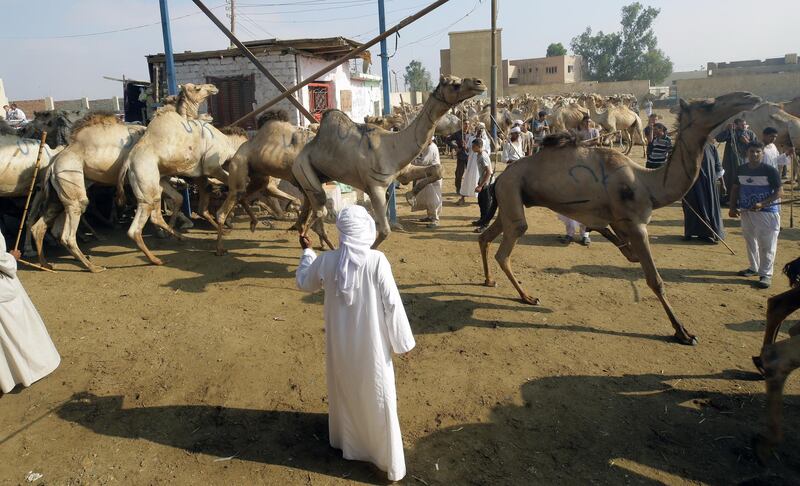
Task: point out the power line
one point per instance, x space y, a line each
91 34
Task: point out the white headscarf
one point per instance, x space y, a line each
356 236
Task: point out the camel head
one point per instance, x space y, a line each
706 114
453 90
197 93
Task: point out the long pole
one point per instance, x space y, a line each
169 61
391 202
233 20
244 50
30 189
354 53
493 85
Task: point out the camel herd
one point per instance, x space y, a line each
600 187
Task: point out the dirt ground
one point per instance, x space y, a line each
210 370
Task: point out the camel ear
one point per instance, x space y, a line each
684 104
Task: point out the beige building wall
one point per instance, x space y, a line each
471 56
3 98
547 70
771 87
444 62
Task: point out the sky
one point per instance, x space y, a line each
70 47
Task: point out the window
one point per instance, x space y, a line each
234 100
551 70
569 68
529 70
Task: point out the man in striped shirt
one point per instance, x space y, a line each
659 148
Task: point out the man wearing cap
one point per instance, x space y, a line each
480 132
364 323
512 148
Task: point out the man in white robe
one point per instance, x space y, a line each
364 323
27 353
427 192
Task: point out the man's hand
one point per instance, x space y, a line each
757 206
479 188
305 242
16 254
733 213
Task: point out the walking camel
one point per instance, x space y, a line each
369 158
619 118
607 191
172 145
256 164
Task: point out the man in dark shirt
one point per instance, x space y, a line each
659 148
755 197
736 137
461 157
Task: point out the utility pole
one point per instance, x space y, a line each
391 203
493 85
233 20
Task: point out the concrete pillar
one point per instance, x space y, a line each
115 103
49 103
84 103
3 99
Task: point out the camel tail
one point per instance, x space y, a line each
123 174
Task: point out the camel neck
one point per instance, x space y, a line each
188 108
672 181
419 133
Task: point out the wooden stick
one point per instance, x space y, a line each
39 267
708 225
791 191
30 190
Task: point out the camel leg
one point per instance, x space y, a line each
641 248
39 229
222 215
145 181
512 230
175 196
622 245
143 211
486 238
309 182
779 307
377 195
73 211
780 359
203 201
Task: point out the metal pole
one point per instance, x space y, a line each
233 20
391 202
493 85
172 85
354 53
235 41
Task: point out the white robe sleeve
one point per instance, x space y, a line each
8 265
395 319
307 275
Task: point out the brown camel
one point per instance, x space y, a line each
792 107
618 117
606 191
566 116
778 360
258 162
369 158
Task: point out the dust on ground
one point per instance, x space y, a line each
210 370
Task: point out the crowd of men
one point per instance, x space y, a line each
14 115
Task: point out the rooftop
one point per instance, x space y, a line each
328 48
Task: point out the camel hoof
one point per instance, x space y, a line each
527 299
759 364
156 261
46 265
97 269
687 340
221 252
489 283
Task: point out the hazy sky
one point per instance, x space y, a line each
53 57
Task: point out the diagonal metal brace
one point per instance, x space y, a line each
254 60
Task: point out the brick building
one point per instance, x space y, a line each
242 87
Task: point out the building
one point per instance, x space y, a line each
787 63
470 56
545 70
242 87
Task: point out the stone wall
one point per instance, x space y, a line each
637 87
282 67
771 87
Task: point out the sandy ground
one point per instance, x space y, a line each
210 370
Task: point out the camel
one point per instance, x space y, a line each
259 164
386 122
607 191
567 116
770 115
57 124
173 145
619 118
18 161
792 107
778 360
448 125
368 158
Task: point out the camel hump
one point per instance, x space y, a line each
106 118
272 115
560 140
234 130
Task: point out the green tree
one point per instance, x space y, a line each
556 49
631 53
417 78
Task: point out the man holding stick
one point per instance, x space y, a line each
756 190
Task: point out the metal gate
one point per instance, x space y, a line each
320 97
